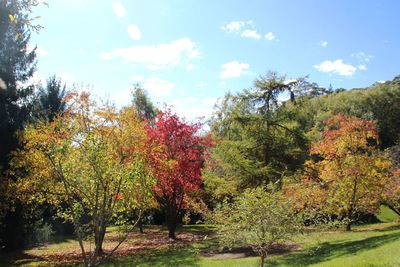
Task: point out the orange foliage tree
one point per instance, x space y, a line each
348 175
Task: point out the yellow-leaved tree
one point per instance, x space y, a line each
89 162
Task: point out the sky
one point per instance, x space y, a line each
188 53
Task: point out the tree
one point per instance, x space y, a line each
92 160
259 142
50 100
17 65
143 105
377 102
146 111
392 190
348 175
258 219
382 102
177 158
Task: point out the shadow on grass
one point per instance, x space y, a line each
204 229
180 255
19 259
171 257
389 228
328 250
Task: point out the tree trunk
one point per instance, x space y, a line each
262 262
98 239
171 220
140 225
348 226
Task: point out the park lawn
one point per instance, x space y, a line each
368 245
387 215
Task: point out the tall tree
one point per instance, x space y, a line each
17 65
142 103
50 100
177 158
146 111
260 142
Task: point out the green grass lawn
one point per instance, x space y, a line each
367 245
387 215
370 245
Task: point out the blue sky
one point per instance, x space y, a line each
189 53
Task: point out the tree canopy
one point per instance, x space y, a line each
90 164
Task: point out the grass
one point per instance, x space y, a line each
387 215
370 245
367 245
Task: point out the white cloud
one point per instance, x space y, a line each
137 78
362 57
134 32
337 67
119 9
158 87
269 36
323 43
189 67
157 56
193 107
250 34
235 26
246 29
233 69
362 67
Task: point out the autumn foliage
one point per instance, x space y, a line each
177 158
348 175
89 164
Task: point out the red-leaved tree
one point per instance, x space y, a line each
177 157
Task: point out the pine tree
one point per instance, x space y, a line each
50 100
17 66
